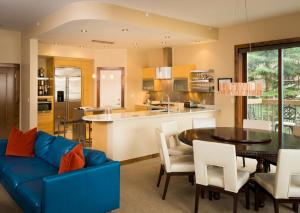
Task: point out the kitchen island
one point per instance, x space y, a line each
130 135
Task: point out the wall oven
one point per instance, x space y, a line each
44 105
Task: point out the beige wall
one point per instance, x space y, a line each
10 46
133 61
220 55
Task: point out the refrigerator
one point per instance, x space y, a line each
67 86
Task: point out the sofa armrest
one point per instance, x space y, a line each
93 189
3 144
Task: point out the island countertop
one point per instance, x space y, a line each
143 114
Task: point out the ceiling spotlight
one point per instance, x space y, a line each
167 37
124 30
164 42
83 31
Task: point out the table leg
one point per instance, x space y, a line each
260 168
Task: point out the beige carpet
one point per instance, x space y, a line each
140 194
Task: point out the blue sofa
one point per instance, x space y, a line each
36 186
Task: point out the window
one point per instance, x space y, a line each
277 65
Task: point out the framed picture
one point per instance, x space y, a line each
223 80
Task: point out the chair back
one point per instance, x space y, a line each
215 154
289 114
163 150
170 130
257 124
200 123
287 169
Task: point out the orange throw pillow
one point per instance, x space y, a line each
21 144
73 160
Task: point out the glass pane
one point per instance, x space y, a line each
291 88
263 66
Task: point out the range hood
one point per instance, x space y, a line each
165 72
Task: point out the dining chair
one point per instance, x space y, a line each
200 123
170 130
284 185
258 125
216 171
173 165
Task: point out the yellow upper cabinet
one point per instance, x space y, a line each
149 73
182 71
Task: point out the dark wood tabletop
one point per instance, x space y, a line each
257 144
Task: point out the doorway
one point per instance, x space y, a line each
9 98
110 87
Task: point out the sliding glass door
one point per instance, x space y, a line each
291 88
279 70
262 66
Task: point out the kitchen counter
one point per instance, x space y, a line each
142 114
131 135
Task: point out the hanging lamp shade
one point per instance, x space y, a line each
241 89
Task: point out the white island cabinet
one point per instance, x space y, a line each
125 136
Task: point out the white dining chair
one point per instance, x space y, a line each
284 185
249 164
216 171
257 124
173 165
200 123
170 130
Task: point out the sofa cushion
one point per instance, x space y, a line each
30 193
16 170
94 157
59 147
74 160
21 144
42 144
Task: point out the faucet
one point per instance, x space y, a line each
168 101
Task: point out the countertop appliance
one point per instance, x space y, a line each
190 104
67 82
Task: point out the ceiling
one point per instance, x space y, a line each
18 14
136 37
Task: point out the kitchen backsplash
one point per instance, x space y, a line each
203 98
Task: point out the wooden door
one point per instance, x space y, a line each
9 98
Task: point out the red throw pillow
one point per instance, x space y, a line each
21 144
73 160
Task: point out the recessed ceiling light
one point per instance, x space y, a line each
167 37
83 31
124 30
164 42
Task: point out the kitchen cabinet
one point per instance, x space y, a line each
149 73
182 71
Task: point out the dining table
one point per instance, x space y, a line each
251 143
